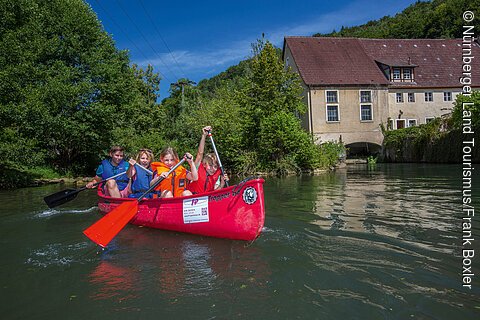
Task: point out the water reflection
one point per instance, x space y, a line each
417 208
144 261
114 282
358 244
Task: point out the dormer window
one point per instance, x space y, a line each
396 74
407 74
402 74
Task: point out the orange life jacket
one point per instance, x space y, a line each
205 181
175 182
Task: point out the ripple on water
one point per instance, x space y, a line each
54 212
371 269
58 254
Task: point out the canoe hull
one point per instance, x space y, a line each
236 212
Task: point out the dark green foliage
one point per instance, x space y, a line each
252 109
467 107
67 95
435 19
64 87
14 177
232 74
410 144
407 145
440 140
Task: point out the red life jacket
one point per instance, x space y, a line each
205 181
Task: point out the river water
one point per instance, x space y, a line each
379 242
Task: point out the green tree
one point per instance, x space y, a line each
268 89
270 100
148 83
253 113
64 87
233 74
423 19
468 107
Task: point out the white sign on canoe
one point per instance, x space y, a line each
195 210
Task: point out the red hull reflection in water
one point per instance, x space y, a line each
115 282
176 265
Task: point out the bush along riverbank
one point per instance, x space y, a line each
259 131
419 144
13 176
325 156
439 141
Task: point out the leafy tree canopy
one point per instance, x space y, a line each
64 87
424 19
252 109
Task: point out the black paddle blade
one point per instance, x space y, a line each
61 197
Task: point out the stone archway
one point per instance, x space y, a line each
363 149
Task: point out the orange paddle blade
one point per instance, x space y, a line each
105 229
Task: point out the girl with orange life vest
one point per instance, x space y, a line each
208 169
175 184
141 172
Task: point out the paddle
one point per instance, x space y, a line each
145 169
66 195
105 229
218 157
142 167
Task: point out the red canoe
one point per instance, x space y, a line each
236 212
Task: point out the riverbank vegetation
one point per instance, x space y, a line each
67 94
254 115
441 140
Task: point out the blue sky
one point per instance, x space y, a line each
199 39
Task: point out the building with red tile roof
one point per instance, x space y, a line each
354 85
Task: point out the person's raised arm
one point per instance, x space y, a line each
131 169
201 146
193 174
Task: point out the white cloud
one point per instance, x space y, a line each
204 63
200 64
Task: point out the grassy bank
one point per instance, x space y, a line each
12 176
